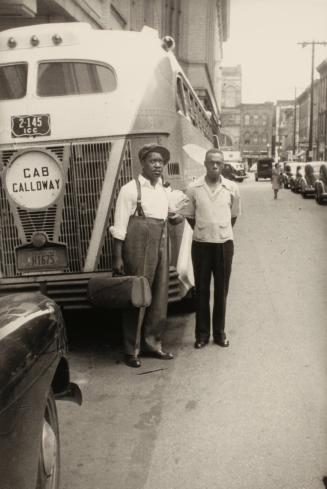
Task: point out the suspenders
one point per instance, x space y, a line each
139 209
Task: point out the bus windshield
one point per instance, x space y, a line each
13 80
58 78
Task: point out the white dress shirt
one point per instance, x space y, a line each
154 201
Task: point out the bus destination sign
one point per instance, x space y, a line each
30 125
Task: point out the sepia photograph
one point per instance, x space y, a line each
163 227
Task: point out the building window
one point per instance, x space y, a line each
255 138
255 119
264 119
230 97
246 119
247 139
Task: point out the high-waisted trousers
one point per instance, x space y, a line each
211 259
146 254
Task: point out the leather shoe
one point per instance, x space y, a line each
132 361
224 343
200 344
161 355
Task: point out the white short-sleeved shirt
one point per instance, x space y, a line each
213 210
154 201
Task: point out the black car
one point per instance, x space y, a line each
264 168
287 174
234 171
321 184
34 372
295 180
307 182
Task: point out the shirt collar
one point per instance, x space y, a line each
146 183
224 182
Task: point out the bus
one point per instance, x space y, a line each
76 105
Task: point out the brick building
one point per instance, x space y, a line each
231 99
283 130
322 112
256 130
199 29
304 102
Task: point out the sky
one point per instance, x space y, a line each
263 40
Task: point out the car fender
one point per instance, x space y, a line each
32 361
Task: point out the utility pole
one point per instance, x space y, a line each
294 125
313 45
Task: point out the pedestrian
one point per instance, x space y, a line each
276 179
214 205
141 248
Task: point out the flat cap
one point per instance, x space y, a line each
156 148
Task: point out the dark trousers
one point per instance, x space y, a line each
147 255
211 259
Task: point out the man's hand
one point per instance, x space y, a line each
175 218
118 264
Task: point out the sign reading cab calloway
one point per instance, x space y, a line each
34 180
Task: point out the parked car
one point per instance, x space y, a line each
264 168
234 171
321 184
307 182
296 177
287 174
34 372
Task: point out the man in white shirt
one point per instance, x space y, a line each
214 204
141 248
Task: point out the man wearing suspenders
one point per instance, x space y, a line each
141 248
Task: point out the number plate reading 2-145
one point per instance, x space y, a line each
30 125
33 260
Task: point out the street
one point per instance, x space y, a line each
251 416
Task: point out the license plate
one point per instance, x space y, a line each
41 259
30 125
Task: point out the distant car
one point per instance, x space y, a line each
307 182
287 175
264 168
296 177
321 184
34 372
289 172
234 171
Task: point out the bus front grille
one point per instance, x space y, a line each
124 176
71 220
87 168
33 221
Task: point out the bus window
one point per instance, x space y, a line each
74 78
13 79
